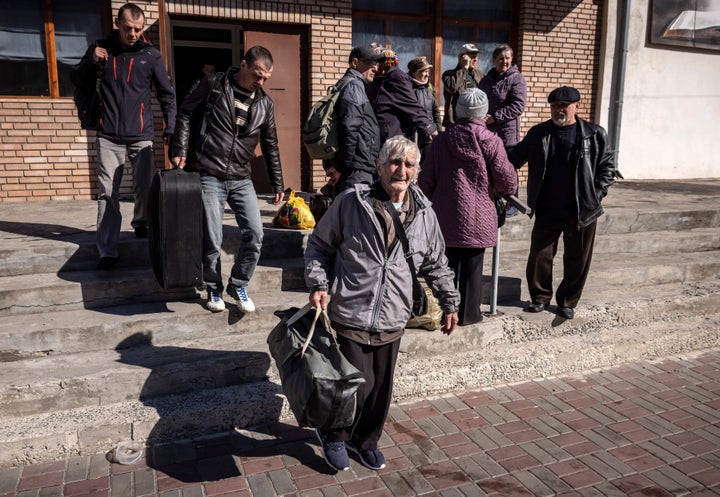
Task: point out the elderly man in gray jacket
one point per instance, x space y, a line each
355 255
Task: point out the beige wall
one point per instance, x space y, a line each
671 105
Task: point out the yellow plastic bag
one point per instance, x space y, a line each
295 214
432 319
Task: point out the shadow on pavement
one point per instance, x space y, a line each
191 401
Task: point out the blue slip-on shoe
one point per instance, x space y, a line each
335 453
370 458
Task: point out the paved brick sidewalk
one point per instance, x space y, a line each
643 429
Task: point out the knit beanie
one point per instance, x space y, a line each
472 103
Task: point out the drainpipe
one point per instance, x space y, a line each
618 88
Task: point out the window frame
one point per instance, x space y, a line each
434 21
51 51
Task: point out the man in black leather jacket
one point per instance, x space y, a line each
218 126
570 168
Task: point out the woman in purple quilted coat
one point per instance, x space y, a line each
464 170
507 93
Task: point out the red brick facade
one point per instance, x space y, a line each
45 155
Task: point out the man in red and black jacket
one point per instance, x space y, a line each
129 65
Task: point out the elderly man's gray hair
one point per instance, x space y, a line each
397 145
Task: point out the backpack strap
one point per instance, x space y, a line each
336 88
216 91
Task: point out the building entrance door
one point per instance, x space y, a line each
223 45
284 87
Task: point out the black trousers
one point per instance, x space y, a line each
577 255
467 263
377 364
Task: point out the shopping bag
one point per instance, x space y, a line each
432 319
319 382
294 213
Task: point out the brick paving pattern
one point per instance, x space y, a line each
642 429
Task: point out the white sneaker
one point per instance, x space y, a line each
244 303
215 303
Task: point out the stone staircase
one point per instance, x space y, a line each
91 358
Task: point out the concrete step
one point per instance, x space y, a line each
29 248
94 289
77 252
56 327
624 269
641 243
73 331
97 429
512 347
614 254
139 367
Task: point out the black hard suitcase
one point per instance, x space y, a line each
175 215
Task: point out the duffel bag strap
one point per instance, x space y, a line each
318 312
328 326
311 331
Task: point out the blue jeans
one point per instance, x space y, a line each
240 195
111 162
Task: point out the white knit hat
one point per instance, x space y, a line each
472 103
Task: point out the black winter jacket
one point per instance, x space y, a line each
426 98
206 133
359 132
397 108
594 172
125 106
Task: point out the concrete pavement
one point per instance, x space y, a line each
648 428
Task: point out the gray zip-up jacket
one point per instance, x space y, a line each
371 289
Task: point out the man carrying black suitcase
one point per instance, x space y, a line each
217 129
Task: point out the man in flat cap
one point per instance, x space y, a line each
465 75
359 136
570 168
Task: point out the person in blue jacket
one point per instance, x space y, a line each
129 66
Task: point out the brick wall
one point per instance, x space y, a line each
559 45
44 155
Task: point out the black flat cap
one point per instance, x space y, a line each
564 94
366 52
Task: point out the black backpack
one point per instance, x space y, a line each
87 78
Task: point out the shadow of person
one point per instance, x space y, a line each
70 252
195 392
292 442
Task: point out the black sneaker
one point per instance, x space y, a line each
141 232
371 458
107 263
335 453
